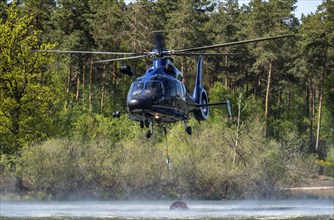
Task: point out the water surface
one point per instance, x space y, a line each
249 209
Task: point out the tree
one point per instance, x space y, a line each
3 7
223 26
185 29
110 31
317 54
73 32
27 91
269 18
42 11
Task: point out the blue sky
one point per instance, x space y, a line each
306 7
303 6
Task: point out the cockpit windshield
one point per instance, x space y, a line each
151 87
154 87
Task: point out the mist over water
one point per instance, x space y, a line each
248 209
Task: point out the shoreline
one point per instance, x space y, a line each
318 186
320 192
314 187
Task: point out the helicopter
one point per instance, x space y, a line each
159 97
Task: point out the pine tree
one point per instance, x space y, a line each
73 32
268 18
42 11
224 26
109 23
185 29
317 55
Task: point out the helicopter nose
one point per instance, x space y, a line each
137 104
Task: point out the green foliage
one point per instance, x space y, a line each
208 164
27 90
58 109
330 155
315 62
328 163
185 29
41 11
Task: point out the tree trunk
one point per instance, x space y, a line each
311 110
68 88
185 77
247 92
114 84
226 72
102 90
83 82
78 88
90 86
257 85
238 130
319 119
321 91
268 89
266 112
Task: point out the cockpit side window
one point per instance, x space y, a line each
180 89
137 88
170 88
184 89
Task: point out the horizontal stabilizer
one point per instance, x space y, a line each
227 103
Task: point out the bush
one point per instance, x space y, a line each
67 167
7 177
328 163
210 164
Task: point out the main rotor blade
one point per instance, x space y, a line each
122 58
87 52
232 43
204 54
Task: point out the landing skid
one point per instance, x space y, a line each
146 123
187 128
149 133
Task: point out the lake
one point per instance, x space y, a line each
243 209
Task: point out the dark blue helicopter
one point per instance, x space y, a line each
159 96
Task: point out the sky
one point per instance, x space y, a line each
303 6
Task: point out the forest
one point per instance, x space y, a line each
59 139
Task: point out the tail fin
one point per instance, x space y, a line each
201 98
198 84
228 108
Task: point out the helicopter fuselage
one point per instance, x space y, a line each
159 96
